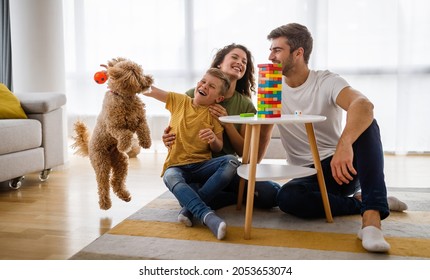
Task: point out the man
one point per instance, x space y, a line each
351 158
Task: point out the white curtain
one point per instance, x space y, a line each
378 46
5 47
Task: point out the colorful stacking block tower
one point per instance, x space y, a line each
269 90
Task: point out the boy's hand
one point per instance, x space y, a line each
207 135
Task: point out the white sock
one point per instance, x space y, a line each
373 239
396 205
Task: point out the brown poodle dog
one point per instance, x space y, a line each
122 116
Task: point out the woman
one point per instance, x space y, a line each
237 63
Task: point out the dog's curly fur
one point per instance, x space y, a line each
123 115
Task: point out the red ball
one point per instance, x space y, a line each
100 77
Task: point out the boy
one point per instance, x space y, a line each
189 159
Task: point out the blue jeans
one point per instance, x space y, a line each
301 196
216 173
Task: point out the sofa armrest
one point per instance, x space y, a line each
41 102
47 107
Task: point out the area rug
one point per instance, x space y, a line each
154 233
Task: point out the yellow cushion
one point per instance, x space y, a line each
10 107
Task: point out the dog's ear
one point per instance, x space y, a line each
146 81
114 61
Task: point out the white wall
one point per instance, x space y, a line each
37 40
37 45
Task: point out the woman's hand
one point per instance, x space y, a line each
168 138
217 110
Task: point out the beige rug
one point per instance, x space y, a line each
153 233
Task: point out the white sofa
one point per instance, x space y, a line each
35 144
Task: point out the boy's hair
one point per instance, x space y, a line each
297 36
223 77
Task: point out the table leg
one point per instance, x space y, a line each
245 160
255 138
320 175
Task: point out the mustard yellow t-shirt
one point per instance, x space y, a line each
186 121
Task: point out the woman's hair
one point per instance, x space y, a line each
245 85
223 77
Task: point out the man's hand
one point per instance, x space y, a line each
168 138
341 164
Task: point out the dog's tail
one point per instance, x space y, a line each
81 139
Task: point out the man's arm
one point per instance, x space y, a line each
359 116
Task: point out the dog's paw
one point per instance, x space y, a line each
124 195
145 144
105 204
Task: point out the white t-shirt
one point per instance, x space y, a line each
317 96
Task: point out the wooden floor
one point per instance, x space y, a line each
57 218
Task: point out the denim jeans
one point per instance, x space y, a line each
264 195
302 197
216 173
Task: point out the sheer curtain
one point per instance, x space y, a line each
378 46
5 53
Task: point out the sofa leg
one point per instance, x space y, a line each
44 175
16 183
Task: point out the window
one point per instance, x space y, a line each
378 46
